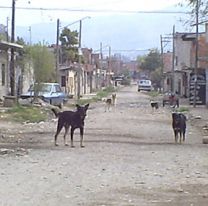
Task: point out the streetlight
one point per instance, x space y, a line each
80 54
79 49
109 65
77 21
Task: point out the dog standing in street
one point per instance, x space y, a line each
110 102
154 104
179 126
73 119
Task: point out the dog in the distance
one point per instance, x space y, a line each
110 102
154 104
73 119
179 126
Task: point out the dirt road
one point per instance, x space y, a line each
129 159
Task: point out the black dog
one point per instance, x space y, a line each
179 125
73 119
154 104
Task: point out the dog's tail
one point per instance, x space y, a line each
55 112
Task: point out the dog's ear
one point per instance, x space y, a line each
87 106
77 106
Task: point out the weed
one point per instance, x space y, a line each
153 93
26 114
100 94
183 109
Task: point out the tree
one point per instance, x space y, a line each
69 45
20 41
43 63
156 77
151 61
151 64
202 9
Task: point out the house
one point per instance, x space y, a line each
183 66
88 70
68 78
5 55
186 70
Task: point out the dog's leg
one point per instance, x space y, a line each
183 136
105 107
176 136
72 135
180 136
59 127
109 107
81 136
66 132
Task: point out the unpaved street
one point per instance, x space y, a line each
129 159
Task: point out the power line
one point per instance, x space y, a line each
123 50
98 10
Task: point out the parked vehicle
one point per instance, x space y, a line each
170 98
48 92
144 85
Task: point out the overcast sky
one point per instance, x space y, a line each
77 9
120 32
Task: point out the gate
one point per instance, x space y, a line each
200 88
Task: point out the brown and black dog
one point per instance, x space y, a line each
73 119
179 126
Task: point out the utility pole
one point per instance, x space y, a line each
101 61
173 62
7 31
196 54
57 49
161 47
163 43
12 70
80 68
30 33
109 67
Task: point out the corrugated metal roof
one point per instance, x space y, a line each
4 45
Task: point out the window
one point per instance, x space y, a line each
3 74
57 88
63 81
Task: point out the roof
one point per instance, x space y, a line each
187 36
4 45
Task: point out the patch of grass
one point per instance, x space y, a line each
26 114
100 94
183 109
153 94
109 89
83 101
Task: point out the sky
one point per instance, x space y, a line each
31 13
76 9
